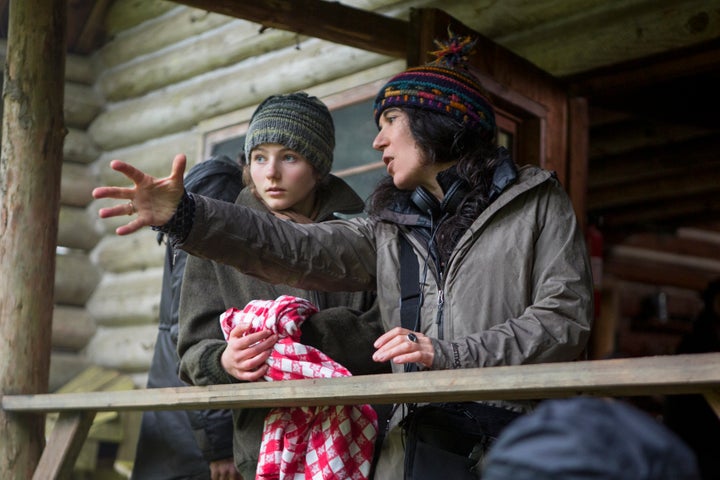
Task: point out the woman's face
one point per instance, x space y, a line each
283 178
401 154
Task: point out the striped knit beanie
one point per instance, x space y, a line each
297 121
444 86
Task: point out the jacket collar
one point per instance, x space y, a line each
335 198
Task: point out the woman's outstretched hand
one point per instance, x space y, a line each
154 200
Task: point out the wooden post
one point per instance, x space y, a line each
30 167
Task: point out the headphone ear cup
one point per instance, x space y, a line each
425 201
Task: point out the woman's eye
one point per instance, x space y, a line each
290 158
258 159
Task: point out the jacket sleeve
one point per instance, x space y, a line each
554 324
213 430
329 256
200 340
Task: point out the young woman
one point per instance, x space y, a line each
504 275
288 155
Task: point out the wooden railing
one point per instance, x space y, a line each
662 375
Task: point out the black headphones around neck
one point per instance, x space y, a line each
426 201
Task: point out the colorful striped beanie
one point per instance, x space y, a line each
298 121
444 86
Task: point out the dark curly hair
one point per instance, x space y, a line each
442 139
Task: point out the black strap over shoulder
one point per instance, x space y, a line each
409 286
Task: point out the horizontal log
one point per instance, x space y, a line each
671 374
80 69
72 328
127 299
76 184
129 253
75 278
126 14
127 349
64 366
77 229
79 147
81 106
175 27
154 157
180 108
222 47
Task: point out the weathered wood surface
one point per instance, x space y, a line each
75 279
332 21
125 348
154 157
30 171
132 253
150 37
223 47
126 14
72 328
672 374
82 104
63 446
79 147
77 69
77 229
76 185
181 107
130 298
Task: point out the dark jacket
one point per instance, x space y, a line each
345 327
180 444
517 288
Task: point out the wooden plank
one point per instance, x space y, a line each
671 374
578 146
321 19
64 445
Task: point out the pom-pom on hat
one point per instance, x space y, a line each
298 121
444 86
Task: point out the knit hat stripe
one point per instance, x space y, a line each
444 90
297 121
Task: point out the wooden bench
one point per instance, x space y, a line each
662 375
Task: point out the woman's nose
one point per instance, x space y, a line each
272 171
379 143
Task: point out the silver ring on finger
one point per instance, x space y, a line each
412 337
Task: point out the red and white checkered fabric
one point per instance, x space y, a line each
302 443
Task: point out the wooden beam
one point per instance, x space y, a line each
89 34
30 175
638 73
672 374
330 21
64 445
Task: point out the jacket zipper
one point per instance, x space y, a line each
439 317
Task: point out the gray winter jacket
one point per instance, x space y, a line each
517 288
